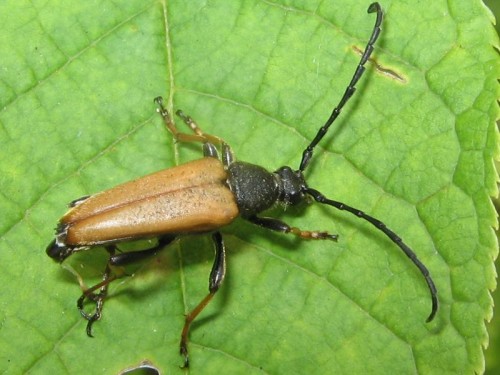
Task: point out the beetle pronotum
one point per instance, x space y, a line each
202 196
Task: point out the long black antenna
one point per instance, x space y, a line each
320 198
307 154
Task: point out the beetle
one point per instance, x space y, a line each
202 196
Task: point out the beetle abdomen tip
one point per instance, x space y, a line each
57 251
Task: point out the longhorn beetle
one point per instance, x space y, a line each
201 196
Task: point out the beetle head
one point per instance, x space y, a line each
293 185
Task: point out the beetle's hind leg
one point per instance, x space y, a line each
110 275
198 136
214 282
97 298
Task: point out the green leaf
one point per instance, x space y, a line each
414 148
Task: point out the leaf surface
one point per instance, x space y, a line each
414 148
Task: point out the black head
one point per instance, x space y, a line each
292 185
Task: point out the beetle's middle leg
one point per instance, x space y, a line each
214 282
109 276
198 136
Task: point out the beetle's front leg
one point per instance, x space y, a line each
280 226
214 282
198 136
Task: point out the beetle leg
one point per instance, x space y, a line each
214 282
198 135
280 226
108 277
188 120
181 137
123 259
98 298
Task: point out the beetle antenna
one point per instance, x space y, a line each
320 198
307 154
